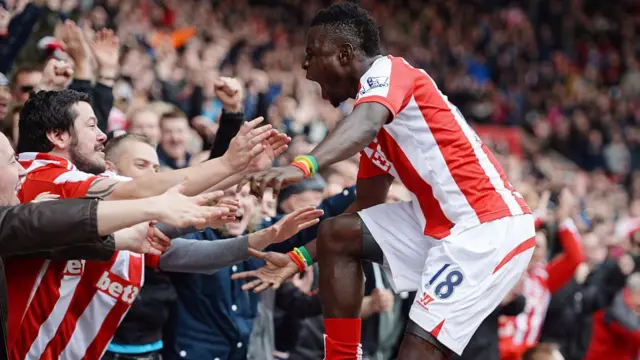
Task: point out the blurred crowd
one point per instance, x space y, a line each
552 86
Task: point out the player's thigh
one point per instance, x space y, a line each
468 274
396 230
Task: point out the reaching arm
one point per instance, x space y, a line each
352 134
52 226
561 269
244 147
200 178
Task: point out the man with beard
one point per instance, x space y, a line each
71 314
79 228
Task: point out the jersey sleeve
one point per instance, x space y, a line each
389 82
67 184
152 261
367 168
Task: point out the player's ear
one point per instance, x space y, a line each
345 54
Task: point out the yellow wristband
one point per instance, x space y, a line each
307 162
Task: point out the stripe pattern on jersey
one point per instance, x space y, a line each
67 309
455 180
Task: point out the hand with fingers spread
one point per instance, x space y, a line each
142 238
279 268
275 178
227 207
106 49
253 141
288 226
175 209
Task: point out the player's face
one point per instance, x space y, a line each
87 141
325 65
10 173
136 159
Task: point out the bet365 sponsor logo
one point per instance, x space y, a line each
74 268
117 287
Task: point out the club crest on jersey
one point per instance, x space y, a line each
375 82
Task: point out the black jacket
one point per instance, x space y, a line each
569 317
61 229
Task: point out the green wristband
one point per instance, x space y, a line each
307 256
315 163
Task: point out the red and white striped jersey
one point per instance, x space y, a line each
67 309
455 181
519 333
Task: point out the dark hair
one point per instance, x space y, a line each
353 22
46 111
112 145
23 69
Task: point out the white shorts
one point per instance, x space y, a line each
460 279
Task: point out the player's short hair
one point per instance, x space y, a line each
47 111
542 351
353 22
113 146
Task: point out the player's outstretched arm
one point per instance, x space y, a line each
250 142
352 134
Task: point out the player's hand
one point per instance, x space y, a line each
247 144
288 226
279 268
142 239
175 209
275 178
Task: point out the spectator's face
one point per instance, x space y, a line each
84 144
328 65
593 249
304 199
146 123
10 173
173 139
5 98
25 82
136 159
540 251
247 205
268 204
